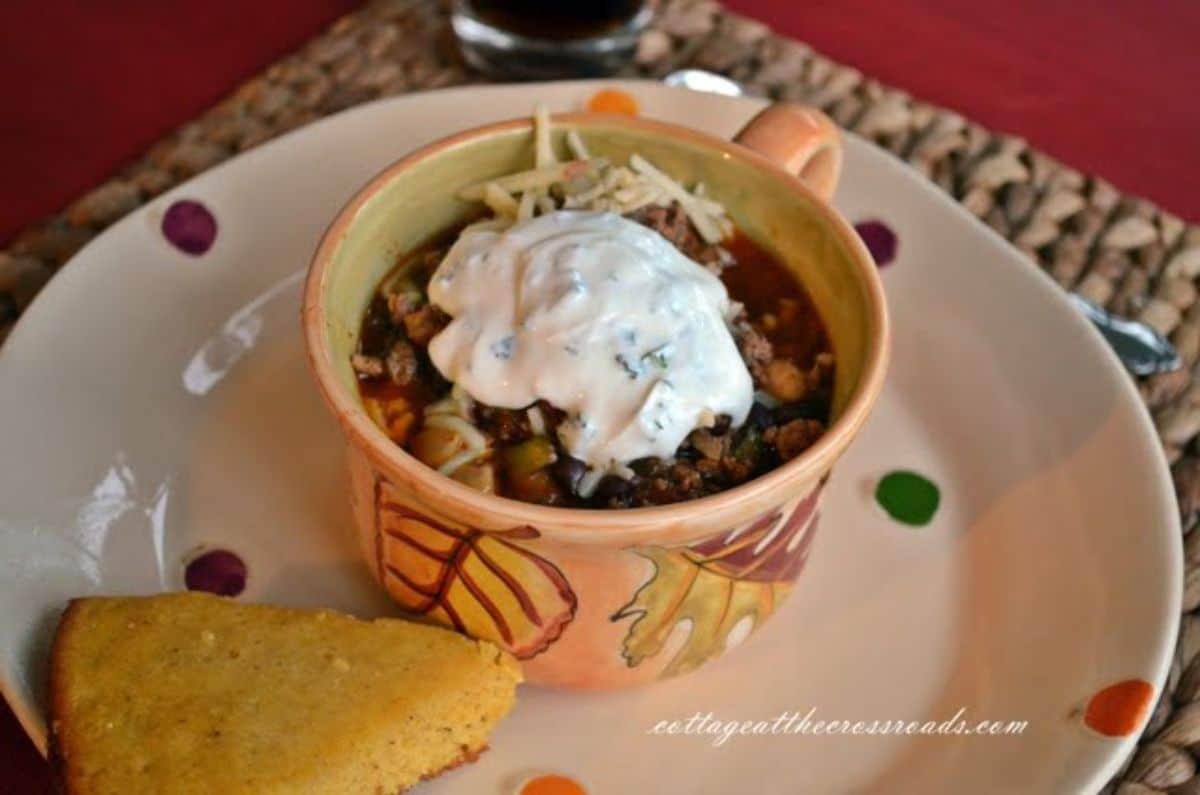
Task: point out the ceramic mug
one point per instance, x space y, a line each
600 598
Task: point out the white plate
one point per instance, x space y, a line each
153 402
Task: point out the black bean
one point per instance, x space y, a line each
377 329
568 471
759 416
813 407
614 489
646 467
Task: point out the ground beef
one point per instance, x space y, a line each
658 491
736 470
666 484
755 348
794 438
709 444
686 479
507 426
401 304
367 366
402 363
655 482
422 325
673 224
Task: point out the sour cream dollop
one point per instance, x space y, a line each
602 318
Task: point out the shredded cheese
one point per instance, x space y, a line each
543 154
703 221
537 423
528 180
588 483
585 182
527 205
500 201
458 461
576 145
472 436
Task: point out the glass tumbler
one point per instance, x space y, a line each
544 39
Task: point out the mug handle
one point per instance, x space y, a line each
802 140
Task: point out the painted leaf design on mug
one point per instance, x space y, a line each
715 585
481 584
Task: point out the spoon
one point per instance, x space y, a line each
1140 348
708 82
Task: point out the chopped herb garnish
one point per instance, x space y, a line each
627 366
660 356
503 348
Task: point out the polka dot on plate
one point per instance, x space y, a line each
216 571
1118 710
908 497
879 239
551 784
613 100
189 226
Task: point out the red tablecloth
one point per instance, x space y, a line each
1110 89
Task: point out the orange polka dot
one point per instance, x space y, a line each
1117 710
552 785
612 100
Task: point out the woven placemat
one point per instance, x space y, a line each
1119 251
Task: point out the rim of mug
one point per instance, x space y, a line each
622 525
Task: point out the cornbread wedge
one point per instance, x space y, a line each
192 693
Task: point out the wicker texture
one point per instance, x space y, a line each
1119 251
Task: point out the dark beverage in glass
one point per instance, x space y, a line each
548 38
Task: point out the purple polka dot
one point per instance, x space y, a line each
879 239
217 571
190 227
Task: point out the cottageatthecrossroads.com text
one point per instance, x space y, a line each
797 723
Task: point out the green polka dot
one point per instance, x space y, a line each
908 497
